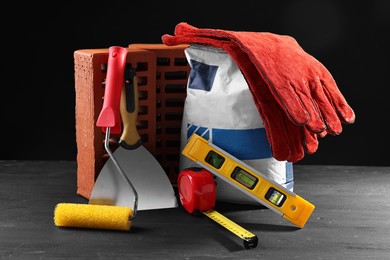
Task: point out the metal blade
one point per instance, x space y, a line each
153 186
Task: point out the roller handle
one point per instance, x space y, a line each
130 138
110 114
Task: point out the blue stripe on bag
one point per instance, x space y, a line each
248 144
202 131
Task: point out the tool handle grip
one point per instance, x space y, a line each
110 113
130 138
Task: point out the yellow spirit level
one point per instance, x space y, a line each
248 180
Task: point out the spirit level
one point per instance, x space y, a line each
248 180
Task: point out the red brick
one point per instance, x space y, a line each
90 71
162 74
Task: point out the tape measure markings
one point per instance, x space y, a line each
228 224
250 239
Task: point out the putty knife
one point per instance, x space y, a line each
146 175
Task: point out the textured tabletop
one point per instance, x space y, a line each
351 220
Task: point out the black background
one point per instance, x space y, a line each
38 97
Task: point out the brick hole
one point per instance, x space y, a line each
142 81
172 157
173 130
142 66
163 61
173 143
158 130
143 110
145 138
175 75
142 95
143 124
174 102
180 62
175 88
173 116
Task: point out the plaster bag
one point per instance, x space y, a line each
219 107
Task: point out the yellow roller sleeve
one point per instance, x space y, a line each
92 216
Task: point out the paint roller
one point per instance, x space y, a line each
92 216
98 216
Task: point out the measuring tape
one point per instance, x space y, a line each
250 240
248 180
197 192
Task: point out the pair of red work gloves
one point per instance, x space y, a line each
296 96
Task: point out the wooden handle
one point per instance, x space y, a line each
130 138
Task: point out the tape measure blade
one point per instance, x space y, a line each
250 239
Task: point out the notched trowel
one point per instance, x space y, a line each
152 187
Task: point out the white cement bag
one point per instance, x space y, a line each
220 107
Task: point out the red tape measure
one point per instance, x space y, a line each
197 192
197 189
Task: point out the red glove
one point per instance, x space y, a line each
296 89
287 140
